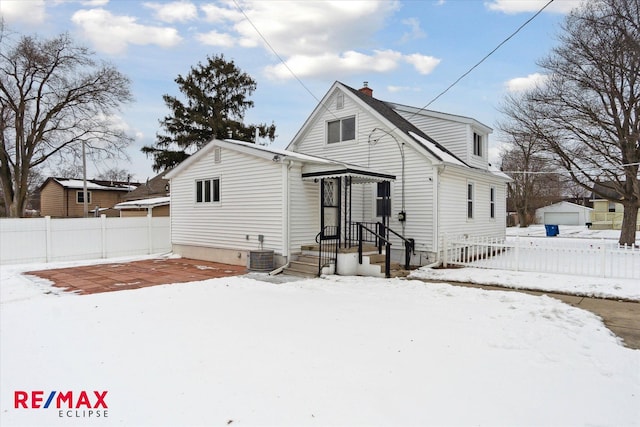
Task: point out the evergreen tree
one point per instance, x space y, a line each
215 101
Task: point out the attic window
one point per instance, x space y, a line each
477 144
341 130
340 101
217 155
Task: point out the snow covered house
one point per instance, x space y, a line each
359 169
64 197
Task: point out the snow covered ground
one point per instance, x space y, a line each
334 351
628 289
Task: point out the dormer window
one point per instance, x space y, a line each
477 144
341 130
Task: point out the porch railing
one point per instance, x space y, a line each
328 242
378 234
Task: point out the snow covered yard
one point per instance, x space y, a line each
616 288
331 351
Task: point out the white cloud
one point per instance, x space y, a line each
332 64
112 34
518 6
26 12
214 38
415 32
424 64
177 11
524 83
394 89
314 37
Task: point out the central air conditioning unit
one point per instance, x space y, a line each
261 260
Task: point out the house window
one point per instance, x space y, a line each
80 196
340 101
612 207
217 155
208 190
477 144
470 200
341 130
492 202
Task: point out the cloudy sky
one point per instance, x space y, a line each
408 51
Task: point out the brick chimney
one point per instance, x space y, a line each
366 89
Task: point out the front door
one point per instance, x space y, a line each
330 208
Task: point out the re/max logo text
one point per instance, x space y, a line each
58 399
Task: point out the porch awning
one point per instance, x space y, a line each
357 175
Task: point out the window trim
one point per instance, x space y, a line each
204 186
478 142
471 190
492 202
79 193
341 130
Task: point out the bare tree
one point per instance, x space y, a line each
115 174
534 184
54 97
587 113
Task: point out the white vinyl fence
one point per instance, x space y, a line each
29 240
587 258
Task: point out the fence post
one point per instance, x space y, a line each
149 235
445 250
103 234
47 237
603 266
517 253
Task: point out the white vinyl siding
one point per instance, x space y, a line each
250 204
304 210
453 204
384 156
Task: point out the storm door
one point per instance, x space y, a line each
330 207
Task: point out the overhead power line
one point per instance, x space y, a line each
485 57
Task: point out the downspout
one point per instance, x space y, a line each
286 197
436 208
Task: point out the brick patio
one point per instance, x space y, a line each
92 279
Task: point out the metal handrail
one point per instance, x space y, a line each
327 252
387 253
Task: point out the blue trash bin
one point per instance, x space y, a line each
552 230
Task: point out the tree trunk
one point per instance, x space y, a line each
629 224
523 217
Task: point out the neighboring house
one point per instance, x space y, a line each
608 214
151 198
355 159
63 197
564 213
155 206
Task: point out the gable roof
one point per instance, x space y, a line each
605 191
92 184
387 113
154 187
326 167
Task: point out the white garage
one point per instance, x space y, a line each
564 213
